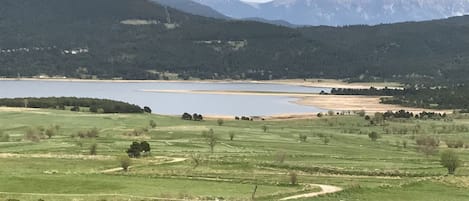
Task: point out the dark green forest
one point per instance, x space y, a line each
61 103
447 97
50 37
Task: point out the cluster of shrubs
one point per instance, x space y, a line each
407 115
138 149
455 143
94 105
372 91
194 117
402 114
244 118
35 134
91 133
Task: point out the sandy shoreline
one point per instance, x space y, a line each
369 104
318 83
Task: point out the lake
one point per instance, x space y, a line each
172 103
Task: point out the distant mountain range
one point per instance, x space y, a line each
192 7
136 39
341 12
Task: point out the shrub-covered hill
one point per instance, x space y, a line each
138 39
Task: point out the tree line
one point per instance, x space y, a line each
372 91
447 96
95 105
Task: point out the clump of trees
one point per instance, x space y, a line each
452 96
380 118
244 118
372 91
94 105
147 109
194 117
450 160
138 149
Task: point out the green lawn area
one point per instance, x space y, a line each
61 168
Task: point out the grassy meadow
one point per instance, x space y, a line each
331 150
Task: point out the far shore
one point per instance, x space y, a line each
318 83
370 104
337 103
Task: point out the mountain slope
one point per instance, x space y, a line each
192 7
343 12
136 39
195 8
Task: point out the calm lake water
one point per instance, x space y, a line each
171 103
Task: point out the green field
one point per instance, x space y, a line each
61 168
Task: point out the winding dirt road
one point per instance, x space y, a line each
173 160
325 189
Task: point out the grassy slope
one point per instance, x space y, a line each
237 165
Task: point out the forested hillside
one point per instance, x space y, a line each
137 39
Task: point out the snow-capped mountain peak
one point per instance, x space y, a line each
342 12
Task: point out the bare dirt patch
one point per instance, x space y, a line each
370 104
325 189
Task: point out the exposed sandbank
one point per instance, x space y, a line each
370 104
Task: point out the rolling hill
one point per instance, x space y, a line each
137 39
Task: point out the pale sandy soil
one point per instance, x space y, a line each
370 104
325 189
21 109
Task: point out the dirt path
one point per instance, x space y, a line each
173 160
325 189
